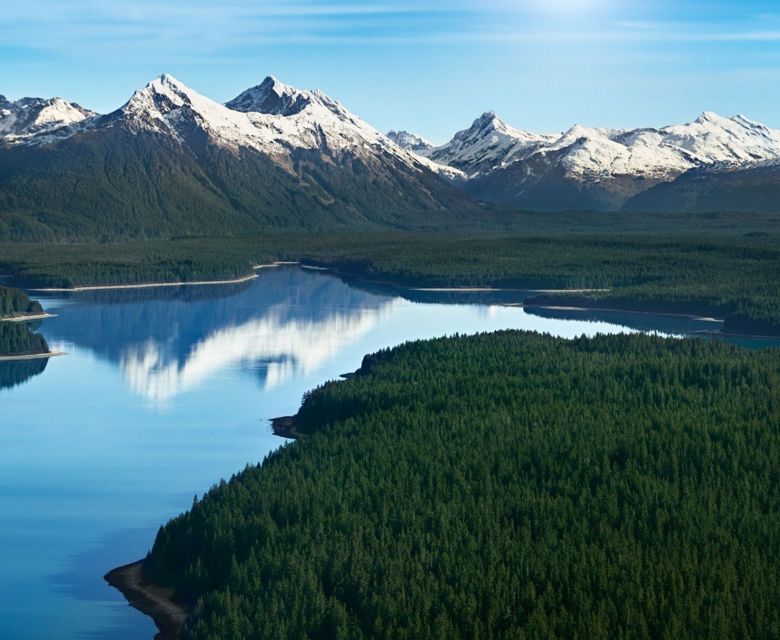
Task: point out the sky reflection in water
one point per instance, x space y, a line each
164 392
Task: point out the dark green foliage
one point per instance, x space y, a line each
112 184
16 339
504 486
726 265
14 303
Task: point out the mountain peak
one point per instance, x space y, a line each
488 118
409 141
166 83
31 116
710 117
272 97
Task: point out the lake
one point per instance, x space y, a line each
166 391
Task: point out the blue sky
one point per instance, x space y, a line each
430 66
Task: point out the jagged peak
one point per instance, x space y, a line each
165 84
488 119
272 97
29 116
409 141
712 118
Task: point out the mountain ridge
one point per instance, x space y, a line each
276 155
171 161
596 168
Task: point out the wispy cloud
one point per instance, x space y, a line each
158 27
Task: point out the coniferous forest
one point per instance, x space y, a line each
16 338
505 485
725 265
14 302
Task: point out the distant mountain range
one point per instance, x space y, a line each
635 169
173 162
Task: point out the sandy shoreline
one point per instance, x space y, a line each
33 356
146 285
150 599
687 316
497 289
29 318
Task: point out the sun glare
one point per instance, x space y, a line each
565 7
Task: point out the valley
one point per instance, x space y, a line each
532 377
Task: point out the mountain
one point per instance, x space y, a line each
410 141
723 187
486 145
28 117
590 168
173 162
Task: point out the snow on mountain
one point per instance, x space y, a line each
272 118
488 143
28 117
274 98
410 141
311 119
589 153
712 138
168 106
277 120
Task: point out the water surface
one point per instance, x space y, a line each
166 391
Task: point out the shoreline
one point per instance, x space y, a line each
285 427
29 317
669 314
275 264
149 598
145 285
398 286
498 289
32 356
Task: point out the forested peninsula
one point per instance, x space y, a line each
15 303
16 338
505 485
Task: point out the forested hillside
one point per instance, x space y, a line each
504 486
113 185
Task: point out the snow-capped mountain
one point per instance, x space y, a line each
28 117
271 118
410 141
274 155
487 144
586 168
171 161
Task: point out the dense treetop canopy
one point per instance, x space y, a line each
504 486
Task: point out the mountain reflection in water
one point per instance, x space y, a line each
169 340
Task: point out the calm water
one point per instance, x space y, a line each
162 393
